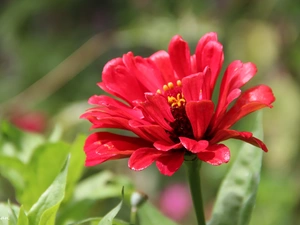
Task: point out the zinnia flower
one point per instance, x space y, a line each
34 121
166 102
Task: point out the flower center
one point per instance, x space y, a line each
176 102
174 94
181 126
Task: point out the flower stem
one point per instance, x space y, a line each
193 174
133 215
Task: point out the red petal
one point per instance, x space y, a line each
106 101
180 56
143 157
160 103
103 120
169 163
213 57
148 74
199 114
212 36
252 100
236 75
151 131
102 146
223 135
162 61
193 64
234 94
209 52
215 155
194 146
166 146
120 81
114 107
256 142
196 87
159 110
192 87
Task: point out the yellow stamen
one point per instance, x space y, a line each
165 88
176 102
171 99
170 85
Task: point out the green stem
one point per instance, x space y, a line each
133 215
193 174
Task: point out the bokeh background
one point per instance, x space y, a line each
52 54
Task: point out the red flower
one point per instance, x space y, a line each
166 101
34 121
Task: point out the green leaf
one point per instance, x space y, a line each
13 214
149 215
102 185
237 193
29 143
42 169
98 219
92 219
16 148
43 212
8 214
108 218
4 214
9 133
76 165
98 186
17 143
56 134
13 169
22 218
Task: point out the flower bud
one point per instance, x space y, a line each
137 199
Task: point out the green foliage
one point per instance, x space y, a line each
76 165
87 192
13 214
43 212
18 144
16 148
44 166
149 215
22 218
50 188
97 220
236 197
12 168
108 218
8 213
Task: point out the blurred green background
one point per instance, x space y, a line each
52 54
